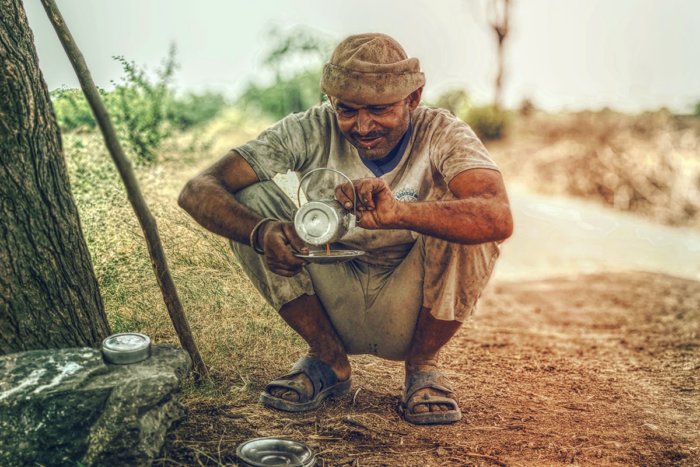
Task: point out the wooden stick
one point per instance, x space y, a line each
148 223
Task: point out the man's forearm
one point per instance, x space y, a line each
216 209
468 221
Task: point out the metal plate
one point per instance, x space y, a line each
260 452
335 256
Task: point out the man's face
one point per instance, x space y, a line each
375 129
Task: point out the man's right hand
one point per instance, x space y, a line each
280 241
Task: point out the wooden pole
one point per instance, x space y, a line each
148 223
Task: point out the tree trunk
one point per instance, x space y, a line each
49 297
500 19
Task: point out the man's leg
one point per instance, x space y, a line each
453 278
430 337
293 297
308 318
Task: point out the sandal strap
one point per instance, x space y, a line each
320 375
425 380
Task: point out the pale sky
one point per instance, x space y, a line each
630 55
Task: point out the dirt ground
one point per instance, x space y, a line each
586 370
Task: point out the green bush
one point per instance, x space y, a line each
144 109
193 109
72 109
294 62
488 122
139 104
286 96
457 101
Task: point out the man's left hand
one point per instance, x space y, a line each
377 208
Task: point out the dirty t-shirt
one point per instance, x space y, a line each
439 147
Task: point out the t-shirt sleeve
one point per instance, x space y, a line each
455 148
276 150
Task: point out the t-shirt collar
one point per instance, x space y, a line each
389 162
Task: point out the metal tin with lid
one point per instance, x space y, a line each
126 347
261 452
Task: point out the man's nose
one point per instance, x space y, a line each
364 123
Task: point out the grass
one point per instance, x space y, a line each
238 334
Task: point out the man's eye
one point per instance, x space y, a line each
346 113
378 110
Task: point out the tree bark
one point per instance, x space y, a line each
49 296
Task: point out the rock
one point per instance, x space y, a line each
67 407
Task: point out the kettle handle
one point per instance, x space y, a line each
354 195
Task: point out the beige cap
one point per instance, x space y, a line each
372 69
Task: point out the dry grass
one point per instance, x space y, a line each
565 380
231 323
545 374
648 164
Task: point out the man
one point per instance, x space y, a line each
432 209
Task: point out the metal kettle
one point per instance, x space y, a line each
323 221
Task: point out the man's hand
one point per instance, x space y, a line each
279 241
376 205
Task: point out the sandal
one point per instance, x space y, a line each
425 380
324 380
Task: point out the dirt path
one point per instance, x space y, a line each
589 370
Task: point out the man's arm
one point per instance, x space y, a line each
209 199
480 214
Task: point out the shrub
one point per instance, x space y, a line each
72 110
489 122
144 109
193 109
140 105
294 63
455 100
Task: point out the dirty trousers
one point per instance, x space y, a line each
373 308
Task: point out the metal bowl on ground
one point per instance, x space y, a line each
263 452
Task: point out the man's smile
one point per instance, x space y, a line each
369 140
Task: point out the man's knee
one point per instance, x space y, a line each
267 199
455 275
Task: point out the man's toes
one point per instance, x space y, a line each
285 394
421 408
424 408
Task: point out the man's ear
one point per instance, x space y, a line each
414 99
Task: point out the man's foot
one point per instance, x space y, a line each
428 398
307 385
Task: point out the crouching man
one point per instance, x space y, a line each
432 209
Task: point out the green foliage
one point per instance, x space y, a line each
294 62
144 109
697 109
488 122
72 109
286 96
457 101
194 109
